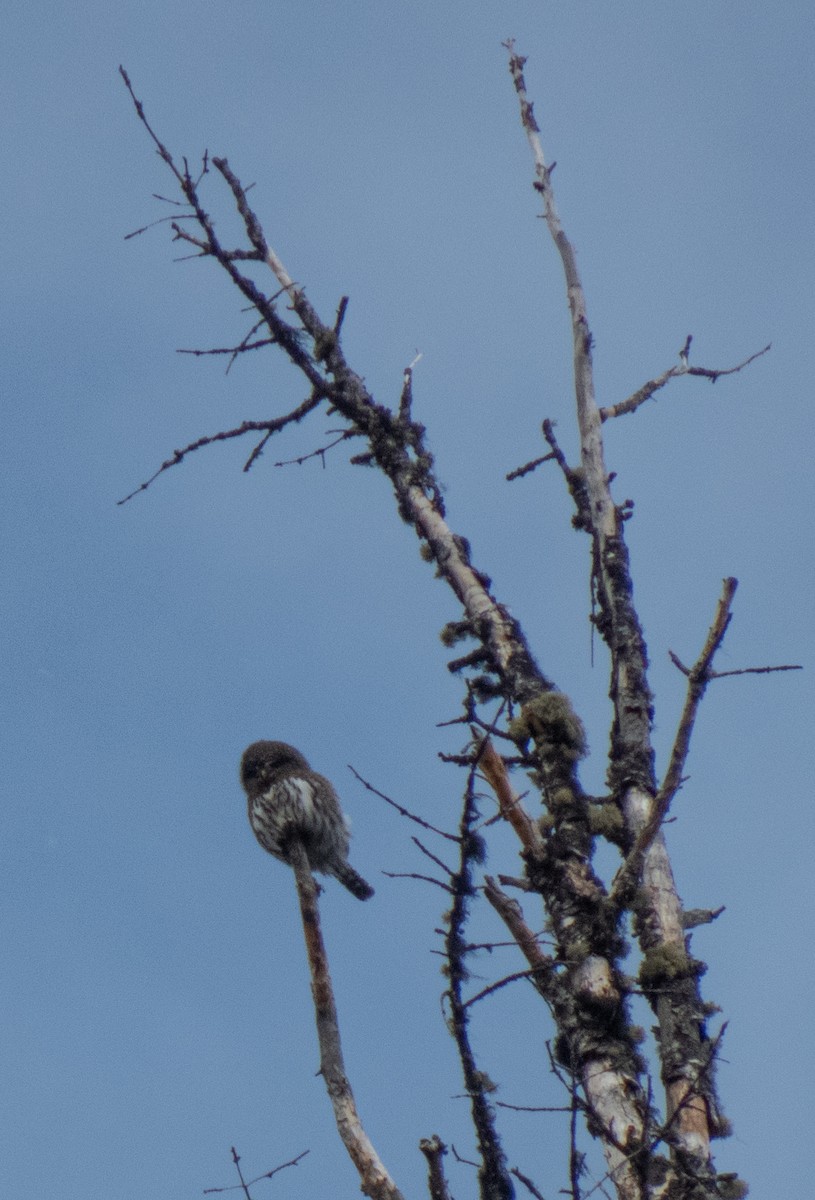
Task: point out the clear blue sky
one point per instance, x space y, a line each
155 1002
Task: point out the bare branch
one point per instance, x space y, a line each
648 389
713 375
511 914
692 917
519 472
421 878
320 452
527 1182
500 983
244 1185
740 671
585 986
232 351
493 1176
698 679
268 427
433 858
242 347
406 399
534 1108
495 772
162 150
404 812
374 1178
342 308
434 1150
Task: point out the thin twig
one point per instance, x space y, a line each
433 857
511 914
404 812
519 472
527 1182
268 427
421 878
244 1185
500 983
638 398
535 1108
234 351
698 679
740 671
320 452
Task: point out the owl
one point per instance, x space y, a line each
288 800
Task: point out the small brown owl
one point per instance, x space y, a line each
288 800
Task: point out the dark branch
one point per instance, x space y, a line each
527 1182
404 812
519 472
434 1150
267 427
501 983
494 1179
740 671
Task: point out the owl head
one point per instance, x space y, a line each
263 763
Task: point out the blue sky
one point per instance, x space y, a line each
154 993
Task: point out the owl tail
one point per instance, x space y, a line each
349 878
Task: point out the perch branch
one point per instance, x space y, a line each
374 1178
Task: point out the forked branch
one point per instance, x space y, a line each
638 398
698 678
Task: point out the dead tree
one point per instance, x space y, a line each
654 1124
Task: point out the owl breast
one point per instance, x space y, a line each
304 809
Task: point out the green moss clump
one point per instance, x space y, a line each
606 820
663 963
324 343
553 725
561 798
723 1127
455 631
486 689
731 1187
